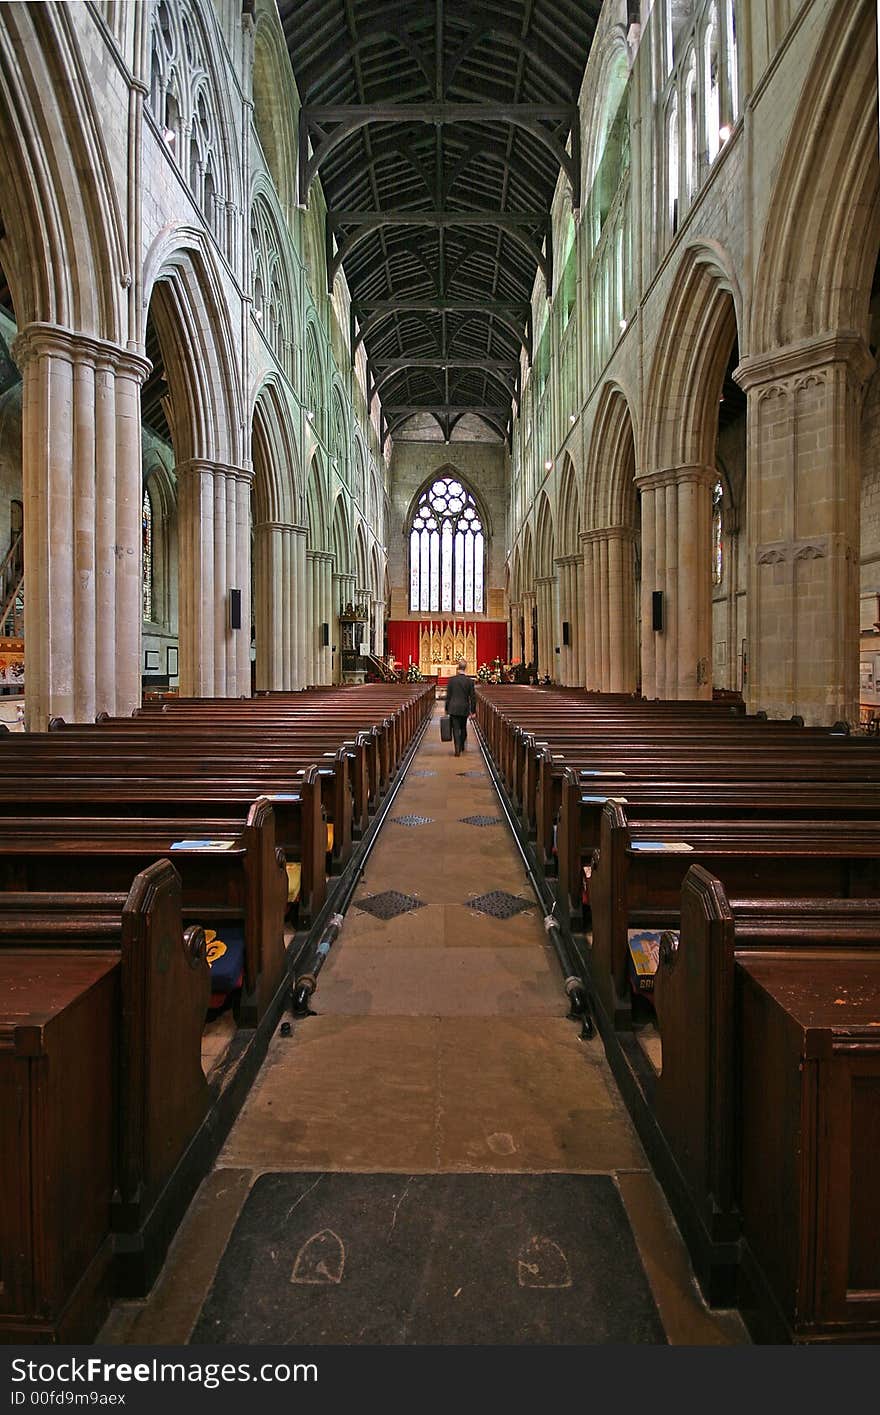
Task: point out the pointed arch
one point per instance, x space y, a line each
545 539
610 491
275 101
527 582
185 298
700 324
447 546
276 487
360 559
316 505
341 537
568 519
820 242
272 279
63 244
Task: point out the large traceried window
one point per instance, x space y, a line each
147 557
446 551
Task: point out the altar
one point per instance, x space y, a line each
442 642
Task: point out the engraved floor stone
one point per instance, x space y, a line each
411 820
480 820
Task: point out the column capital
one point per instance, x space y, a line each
199 466
54 340
563 560
842 346
320 555
545 580
606 533
272 526
677 476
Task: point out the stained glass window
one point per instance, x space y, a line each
147 556
717 537
446 551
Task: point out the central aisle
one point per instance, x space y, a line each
440 1046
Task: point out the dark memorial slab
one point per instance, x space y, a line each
448 1259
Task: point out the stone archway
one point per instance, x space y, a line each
205 421
611 545
805 372
677 474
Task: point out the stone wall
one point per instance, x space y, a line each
484 468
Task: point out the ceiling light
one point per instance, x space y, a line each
572 417
548 466
622 325
310 415
169 137
724 133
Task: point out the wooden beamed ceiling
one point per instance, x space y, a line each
438 130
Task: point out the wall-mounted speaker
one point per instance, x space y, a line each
235 609
325 635
657 610
566 633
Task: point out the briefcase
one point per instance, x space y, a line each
445 728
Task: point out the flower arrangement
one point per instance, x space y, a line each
414 674
488 673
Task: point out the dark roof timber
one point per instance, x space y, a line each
439 128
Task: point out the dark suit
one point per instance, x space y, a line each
460 700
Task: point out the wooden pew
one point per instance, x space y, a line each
718 1089
637 885
299 826
577 833
103 999
244 881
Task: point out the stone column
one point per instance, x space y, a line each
529 647
546 632
578 627
214 553
300 605
343 594
649 576
516 643
608 553
590 677
274 609
804 470
324 611
83 492
677 560
311 618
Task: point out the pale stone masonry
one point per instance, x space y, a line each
148 193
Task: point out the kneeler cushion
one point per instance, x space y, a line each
226 957
294 881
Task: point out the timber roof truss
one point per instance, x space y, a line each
438 129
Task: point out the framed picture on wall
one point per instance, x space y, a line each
151 660
171 660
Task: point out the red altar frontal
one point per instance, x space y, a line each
436 644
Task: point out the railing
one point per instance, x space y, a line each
12 590
387 674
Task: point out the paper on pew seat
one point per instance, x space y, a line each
202 844
603 773
601 800
673 847
291 796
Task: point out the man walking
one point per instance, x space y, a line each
461 702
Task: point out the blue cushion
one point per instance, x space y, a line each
226 956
